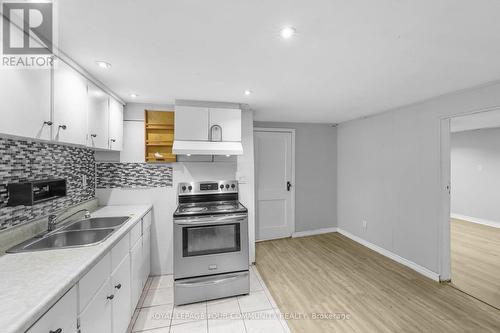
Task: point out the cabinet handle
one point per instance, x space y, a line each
93 135
63 127
110 297
113 140
59 330
48 123
118 286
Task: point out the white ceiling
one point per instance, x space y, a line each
475 121
350 58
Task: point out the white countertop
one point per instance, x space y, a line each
31 282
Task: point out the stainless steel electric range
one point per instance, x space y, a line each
210 242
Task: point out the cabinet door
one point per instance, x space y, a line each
229 120
62 316
191 123
115 125
136 269
25 102
98 117
122 306
97 316
70 105
146 254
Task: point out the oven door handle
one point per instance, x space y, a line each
210 282
211 220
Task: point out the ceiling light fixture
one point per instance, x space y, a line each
133 95
103 64
288 32
248 92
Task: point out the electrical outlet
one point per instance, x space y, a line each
365 225
84 181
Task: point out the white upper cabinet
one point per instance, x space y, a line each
70 105
115 125
25 96
191 123
230 122
98 117
195 123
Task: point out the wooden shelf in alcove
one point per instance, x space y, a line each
159 136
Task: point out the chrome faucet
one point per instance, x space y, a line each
53 218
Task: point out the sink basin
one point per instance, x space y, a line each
98 223
64 239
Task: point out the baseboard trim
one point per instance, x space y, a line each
313 232
476 220
420 269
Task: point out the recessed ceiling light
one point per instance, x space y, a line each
288 32
248 92
103 64
133 95
228 155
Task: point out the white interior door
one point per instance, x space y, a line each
273 161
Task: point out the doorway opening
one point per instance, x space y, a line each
274 150
471 170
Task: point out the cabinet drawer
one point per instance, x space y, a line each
146 221
135 234
93 280
60 316
119 251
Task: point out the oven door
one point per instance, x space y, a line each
210 245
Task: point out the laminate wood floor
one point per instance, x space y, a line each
475 260
332 274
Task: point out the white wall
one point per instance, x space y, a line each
315 174
164 200
475 174
389 174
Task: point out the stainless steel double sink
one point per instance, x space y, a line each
74 234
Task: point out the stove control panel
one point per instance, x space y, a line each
208 187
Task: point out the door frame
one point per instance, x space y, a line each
292 217
444 230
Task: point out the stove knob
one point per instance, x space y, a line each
233 186
227 186
190 187
183 188
221 186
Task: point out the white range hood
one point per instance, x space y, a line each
207 148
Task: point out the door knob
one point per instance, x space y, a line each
93 135
63 127
288 186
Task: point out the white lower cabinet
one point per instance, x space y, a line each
104 299
96 317
136 271
122 303
60 318
146 255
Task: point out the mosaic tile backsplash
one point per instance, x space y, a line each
23 160
133 175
